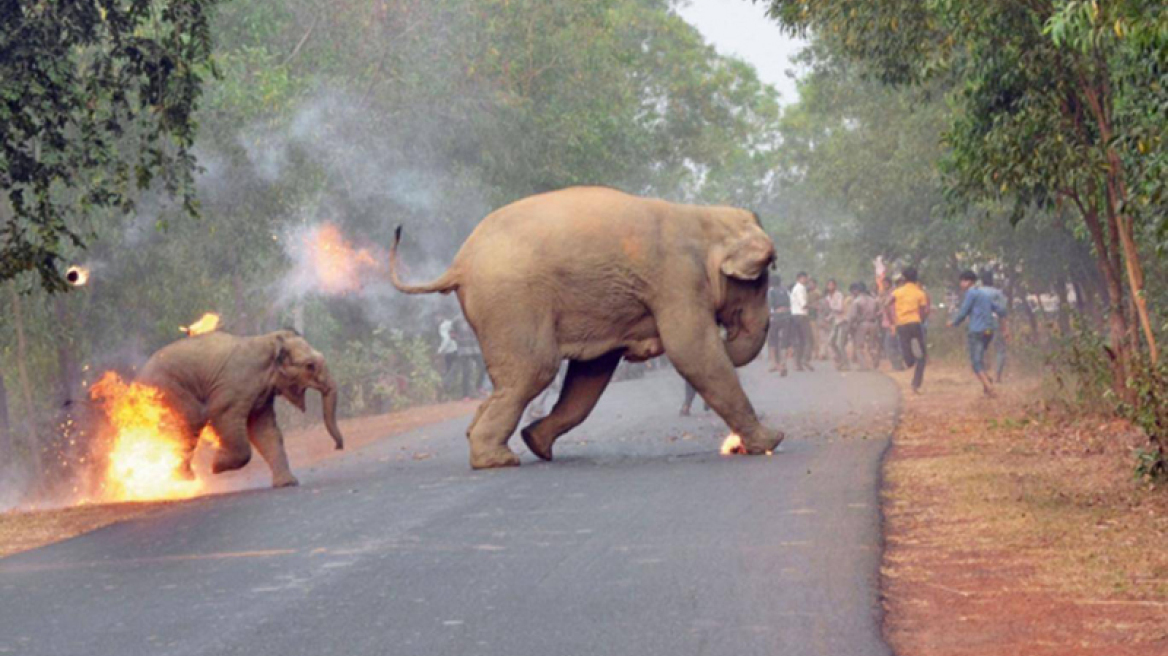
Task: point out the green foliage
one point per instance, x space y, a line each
1079 363
1081 367
386 371
1054 117
97 101
1149 412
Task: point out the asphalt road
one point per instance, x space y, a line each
639 539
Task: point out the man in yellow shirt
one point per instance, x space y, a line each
910 304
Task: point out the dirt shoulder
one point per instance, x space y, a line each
22 531
1011 530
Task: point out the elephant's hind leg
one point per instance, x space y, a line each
265 435
518 378
583 385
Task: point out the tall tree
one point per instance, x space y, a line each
1041 97
96 101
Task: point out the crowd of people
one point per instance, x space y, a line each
860 329
809 324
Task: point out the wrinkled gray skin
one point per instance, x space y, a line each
592 275
231 383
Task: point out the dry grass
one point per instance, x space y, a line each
1014 531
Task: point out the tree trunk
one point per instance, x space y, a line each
1030 318
1099 100
1085 295
22 369
240 321
68 373
1108 267
6 451
1064 315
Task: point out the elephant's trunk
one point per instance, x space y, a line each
745 340
328 394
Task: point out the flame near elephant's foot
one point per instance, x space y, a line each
733 445
146 457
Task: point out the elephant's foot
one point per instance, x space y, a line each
539 445
226 461
764 442
492 458
287 480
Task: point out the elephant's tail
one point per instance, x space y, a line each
445 283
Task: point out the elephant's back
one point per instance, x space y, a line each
571 227
184 362
573 209
585 260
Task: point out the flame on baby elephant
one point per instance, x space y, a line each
208 323
146 453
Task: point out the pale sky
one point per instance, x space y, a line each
742 29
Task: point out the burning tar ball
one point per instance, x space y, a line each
77 275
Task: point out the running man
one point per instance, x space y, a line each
1001 327
910 306
979 306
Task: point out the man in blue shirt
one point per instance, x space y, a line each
979 306
1001 327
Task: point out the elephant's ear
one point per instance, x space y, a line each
748 257
282 355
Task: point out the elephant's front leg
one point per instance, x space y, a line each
698 354
583 385
269 441
233 451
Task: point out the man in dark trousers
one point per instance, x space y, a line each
779 337
803 340
910 306
980 305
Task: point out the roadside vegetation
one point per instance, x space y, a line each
1028 139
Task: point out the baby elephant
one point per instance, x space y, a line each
231 383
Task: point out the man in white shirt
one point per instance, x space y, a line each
801 324
448 349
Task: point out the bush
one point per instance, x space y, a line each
388 371
1149 411
1082 369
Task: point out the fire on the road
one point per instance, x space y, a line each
147 446
208 323
337 265
733 445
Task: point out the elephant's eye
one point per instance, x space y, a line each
311 366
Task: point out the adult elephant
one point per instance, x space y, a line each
592 274
231 383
